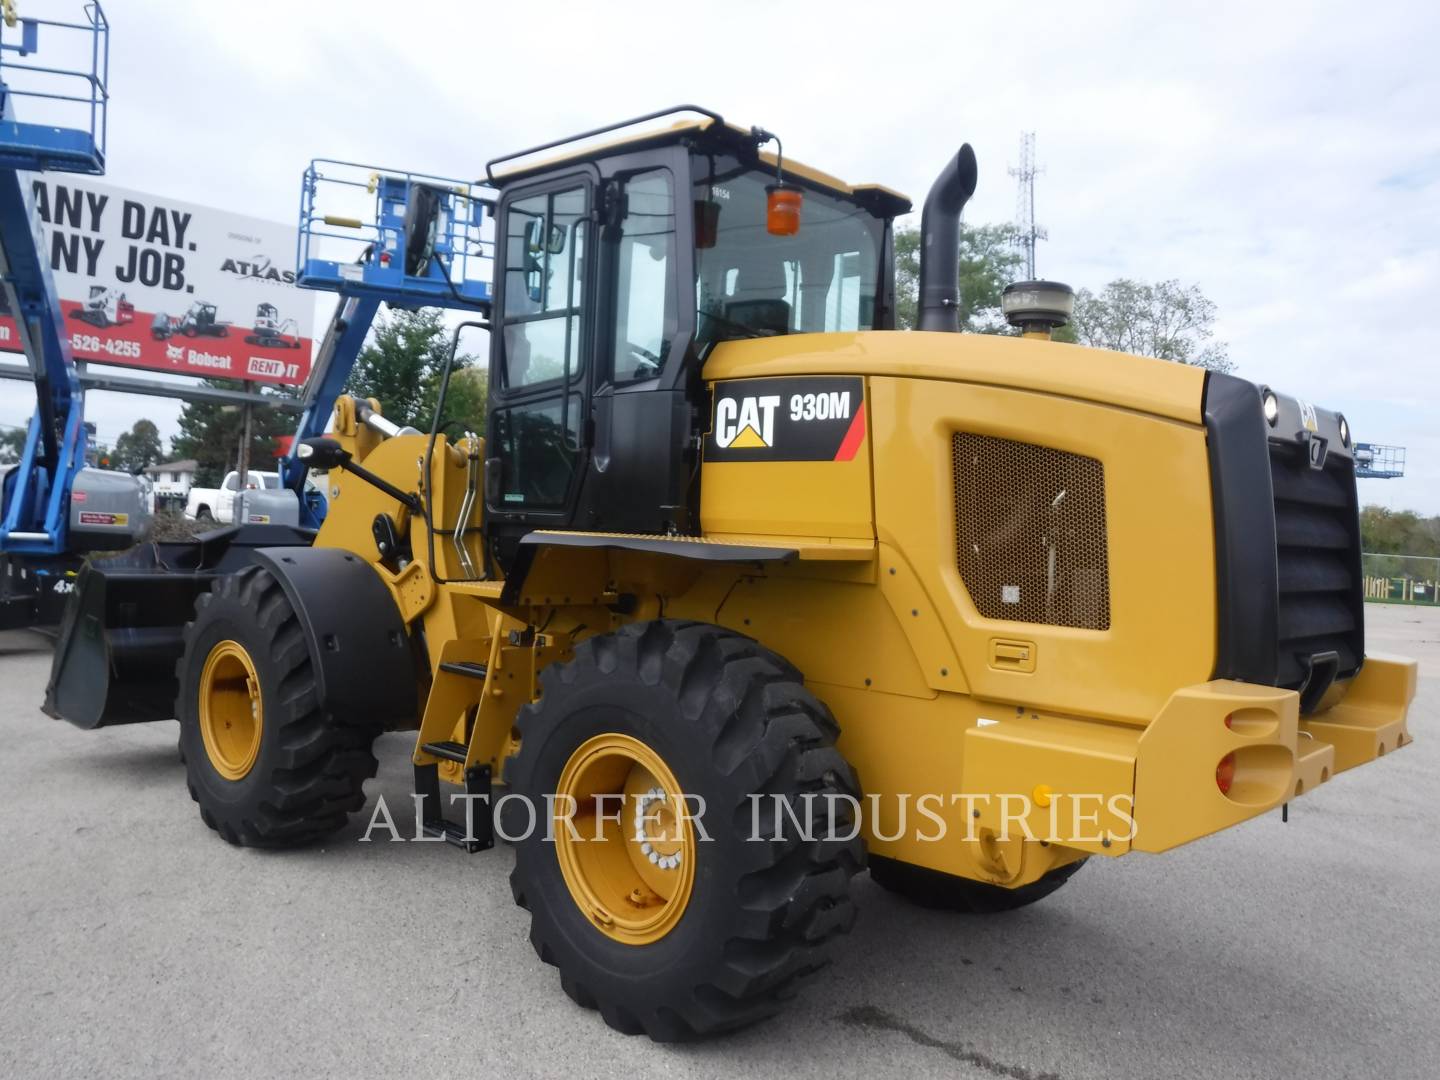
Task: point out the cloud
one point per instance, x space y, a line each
1280 156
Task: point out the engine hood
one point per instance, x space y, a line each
1157 387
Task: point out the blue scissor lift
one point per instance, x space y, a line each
1376 462
36 493
406 239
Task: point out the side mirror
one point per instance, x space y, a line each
322 452
538 238
707 223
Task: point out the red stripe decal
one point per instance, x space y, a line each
854 437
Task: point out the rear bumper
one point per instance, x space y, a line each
1105 789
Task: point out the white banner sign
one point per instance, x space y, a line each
156 283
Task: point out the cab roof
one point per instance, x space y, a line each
739 140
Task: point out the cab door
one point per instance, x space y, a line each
540 350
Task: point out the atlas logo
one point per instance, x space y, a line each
746 423
259 266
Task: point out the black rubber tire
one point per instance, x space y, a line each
203 514
311 770
946 892
729 718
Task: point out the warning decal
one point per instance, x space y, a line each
802 418
95 517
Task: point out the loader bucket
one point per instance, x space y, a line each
122 634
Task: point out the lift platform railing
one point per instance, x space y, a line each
67 106
396 236
1376 462
378 236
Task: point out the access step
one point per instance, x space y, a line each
480 834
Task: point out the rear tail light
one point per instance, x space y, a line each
1225 774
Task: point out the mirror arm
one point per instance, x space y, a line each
407 499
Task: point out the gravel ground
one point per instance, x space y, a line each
133 942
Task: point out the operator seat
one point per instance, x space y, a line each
759 298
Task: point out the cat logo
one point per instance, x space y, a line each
796 418
746 423
1307 416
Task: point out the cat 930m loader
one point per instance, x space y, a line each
744 590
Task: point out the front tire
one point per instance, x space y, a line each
267 765
665 932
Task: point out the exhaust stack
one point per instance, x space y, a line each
940 243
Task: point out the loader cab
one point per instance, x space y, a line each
617 271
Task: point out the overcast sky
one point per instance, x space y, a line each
1285 157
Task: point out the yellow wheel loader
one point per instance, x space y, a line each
744 590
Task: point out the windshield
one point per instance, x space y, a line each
751 284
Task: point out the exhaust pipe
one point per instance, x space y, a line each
940 243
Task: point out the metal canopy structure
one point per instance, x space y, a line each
124 384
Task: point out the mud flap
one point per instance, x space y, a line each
122 631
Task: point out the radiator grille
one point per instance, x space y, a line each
1030 532
1318 558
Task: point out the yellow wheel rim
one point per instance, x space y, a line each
629 857
232 711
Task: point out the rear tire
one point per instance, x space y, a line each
948 892
296 778
724 718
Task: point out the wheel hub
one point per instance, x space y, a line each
232 710
628 854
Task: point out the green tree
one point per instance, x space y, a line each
989 260
1165 320
210 433
401 367
137 448
1398 532
12 444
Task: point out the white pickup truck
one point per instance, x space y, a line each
218 504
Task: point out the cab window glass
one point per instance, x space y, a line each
538 443
749 283
545 248
645 313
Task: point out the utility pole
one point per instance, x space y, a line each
1025 203
241 515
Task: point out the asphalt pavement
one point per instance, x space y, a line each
134 942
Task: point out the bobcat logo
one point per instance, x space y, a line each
175 352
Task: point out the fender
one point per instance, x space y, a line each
365 670
681 547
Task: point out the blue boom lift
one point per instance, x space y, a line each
37 493
415 242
